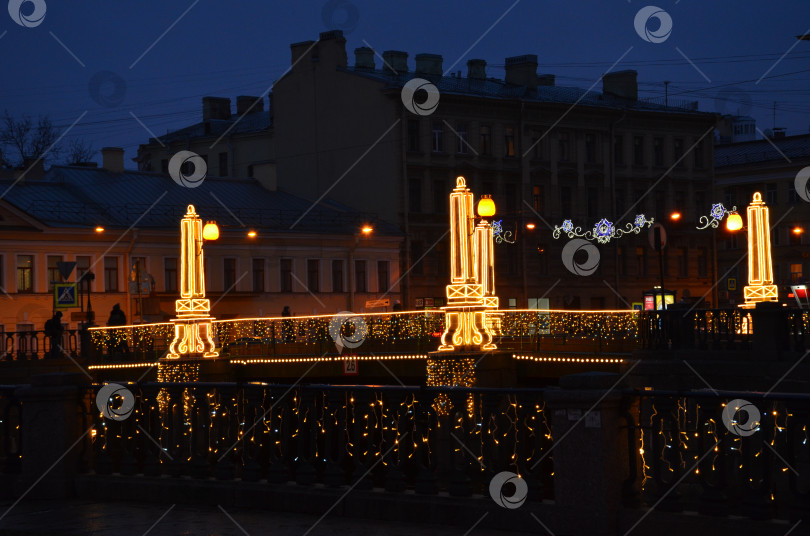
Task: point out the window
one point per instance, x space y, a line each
620 202
702 262
223 164
641 261
658 151
486 140
700 201
638 150
383 280
593 202
463 144
509 141
285 272
53 270
677 145
698 151
795 238
590 148
314 275
683 263
665 257
792 194
440 199
170 274
110 274
537 198
417 250
360 279
83 263
337 275
510 192
565 201
770 194
564 147
618 150
229 274
2 286
25 273
680 200
258 275
438 137
796 273
415 195
622 267
413 135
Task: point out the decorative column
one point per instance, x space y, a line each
760 273
471 292
192 326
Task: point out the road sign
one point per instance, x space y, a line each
65 295
145 286
651 236
385 302
350 367
419 302
66 268
732 283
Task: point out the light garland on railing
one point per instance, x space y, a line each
604 230
567 359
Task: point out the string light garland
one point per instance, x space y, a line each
604 230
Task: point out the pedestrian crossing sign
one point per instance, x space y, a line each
64 295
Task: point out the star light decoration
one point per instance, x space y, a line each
604 230
499 234
716 215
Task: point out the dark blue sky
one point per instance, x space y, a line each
231 48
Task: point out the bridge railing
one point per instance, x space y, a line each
409 332
400 438
688 458
28 345
10 430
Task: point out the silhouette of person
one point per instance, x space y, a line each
286 325
54 330
118 318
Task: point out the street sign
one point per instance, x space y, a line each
732 283
385 302
65 295
350 367
146 287
66 268
651 236
419 302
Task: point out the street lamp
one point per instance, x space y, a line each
734 222
675 216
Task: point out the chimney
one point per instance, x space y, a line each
331 49
429 64
298 49
397 60
621 84
244 103
522 70
216 108
477 69
545 79
31 169
364 59
112 159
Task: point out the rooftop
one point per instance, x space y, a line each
764 150
81 197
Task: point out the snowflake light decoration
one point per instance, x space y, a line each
716 215
604 230
499 234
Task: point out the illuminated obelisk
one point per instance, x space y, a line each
471 292
192 327
760 274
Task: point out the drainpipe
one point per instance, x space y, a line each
612 153
128 265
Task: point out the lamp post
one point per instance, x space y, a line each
365 230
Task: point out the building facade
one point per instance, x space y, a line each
124 226
545 153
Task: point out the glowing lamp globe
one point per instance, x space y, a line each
734 222
210 231
486 207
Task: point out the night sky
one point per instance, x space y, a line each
240 48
